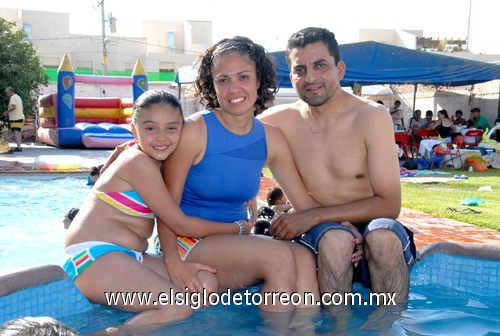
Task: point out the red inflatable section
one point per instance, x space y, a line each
97 103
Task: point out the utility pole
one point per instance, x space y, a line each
468 26
104 60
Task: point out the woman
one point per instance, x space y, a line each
217 168
106 243
444 126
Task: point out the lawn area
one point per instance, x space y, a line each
436 198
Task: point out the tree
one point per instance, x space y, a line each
20 66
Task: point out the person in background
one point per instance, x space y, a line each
343 147
94 174
397 115
36 326
277 200
444 126
458 119
69 216
415 122
478 121
428 121
16 116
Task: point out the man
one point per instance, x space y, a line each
478 121
397 115
16 116
343 146
428 121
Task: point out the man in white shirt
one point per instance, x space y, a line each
16 116
397 115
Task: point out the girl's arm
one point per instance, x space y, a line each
144 175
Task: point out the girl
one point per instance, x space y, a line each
105 247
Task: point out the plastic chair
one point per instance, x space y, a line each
403 141
423 134
473 135
453 150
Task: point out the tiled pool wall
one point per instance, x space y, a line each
462 273
62 298
57 299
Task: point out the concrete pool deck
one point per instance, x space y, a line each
427 228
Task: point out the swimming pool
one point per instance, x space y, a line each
31 213
449 294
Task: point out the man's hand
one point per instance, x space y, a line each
291 225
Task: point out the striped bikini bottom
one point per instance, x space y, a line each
184 245
80 256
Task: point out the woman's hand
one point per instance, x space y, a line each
185 276
248 226
118 150
358 243
252 208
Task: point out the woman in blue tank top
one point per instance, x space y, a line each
216 169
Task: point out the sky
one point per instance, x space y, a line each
271 22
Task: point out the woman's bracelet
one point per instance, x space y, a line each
242 227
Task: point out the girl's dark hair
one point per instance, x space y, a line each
445 113
310 35
273 195
266 73
154 97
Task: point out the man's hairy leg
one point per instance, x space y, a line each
389 272
335 270
335 273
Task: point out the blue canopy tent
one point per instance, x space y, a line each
185 75
370 63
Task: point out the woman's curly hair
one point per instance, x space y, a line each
266 73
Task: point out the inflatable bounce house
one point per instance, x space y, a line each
67 121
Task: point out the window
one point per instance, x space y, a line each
27 29
171 41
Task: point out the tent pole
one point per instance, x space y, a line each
414 97
498 110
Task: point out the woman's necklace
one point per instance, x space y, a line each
310 116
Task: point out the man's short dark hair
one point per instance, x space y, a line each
429 112
475 109
310 35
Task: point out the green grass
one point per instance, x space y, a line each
436 198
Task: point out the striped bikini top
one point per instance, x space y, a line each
128 202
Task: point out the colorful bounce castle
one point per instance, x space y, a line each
67 121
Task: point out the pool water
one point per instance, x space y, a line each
31 214
32 209
456 296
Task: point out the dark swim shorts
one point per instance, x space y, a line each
311 239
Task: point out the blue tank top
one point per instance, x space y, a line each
218 187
